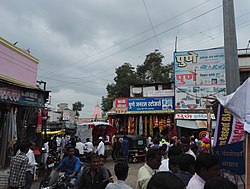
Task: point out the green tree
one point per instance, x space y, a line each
151 71
77 106
125 77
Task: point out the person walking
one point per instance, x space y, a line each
121 172
100 148
206 167
18 167
80 147
153 162
124 148
31 166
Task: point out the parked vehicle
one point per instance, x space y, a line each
137 147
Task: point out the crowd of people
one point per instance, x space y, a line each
170 164
180 164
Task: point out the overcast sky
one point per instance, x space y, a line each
80 43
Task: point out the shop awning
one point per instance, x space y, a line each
194 124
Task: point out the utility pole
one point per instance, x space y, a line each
230 46
232 67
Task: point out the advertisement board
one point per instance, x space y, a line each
199 75
150 104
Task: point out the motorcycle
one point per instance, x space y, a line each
57 181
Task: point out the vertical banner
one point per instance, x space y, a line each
198 74
140 126
151 125
228 142
129 125
146 126
39 122
231 157
228 129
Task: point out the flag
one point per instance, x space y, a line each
238 104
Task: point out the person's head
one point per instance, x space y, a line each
121 170
165 180
156 141
70 150
187 163
124 137
194 148
100 138
32 145
94 161
153 158
163 149
24 147
219 183
207 166
174 164
185 144
174 151
87 140
102 159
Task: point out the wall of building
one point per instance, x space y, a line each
17 65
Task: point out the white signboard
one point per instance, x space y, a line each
193 116
199 75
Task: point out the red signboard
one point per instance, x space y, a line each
121 103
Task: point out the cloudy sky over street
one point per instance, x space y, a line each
80 43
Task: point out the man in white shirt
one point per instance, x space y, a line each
153 162
100 148
31 166
206 167
80 147
185 145
89 147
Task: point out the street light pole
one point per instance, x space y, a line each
230 46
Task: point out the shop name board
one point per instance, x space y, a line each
25 97
193 116
121 103
150 104
159 93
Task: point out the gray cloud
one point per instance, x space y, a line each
80 43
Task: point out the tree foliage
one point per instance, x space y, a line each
151 71
77 106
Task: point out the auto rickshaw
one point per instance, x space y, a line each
136 149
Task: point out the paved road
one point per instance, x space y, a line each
132 175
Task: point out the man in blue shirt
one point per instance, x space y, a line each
71 164
125 148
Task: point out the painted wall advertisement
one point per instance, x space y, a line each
150 104
198 74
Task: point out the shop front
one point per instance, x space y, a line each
189 124
19 108
143 116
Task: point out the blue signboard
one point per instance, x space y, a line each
231 157
150 104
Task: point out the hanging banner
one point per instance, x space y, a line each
228 129
198 74
231 157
